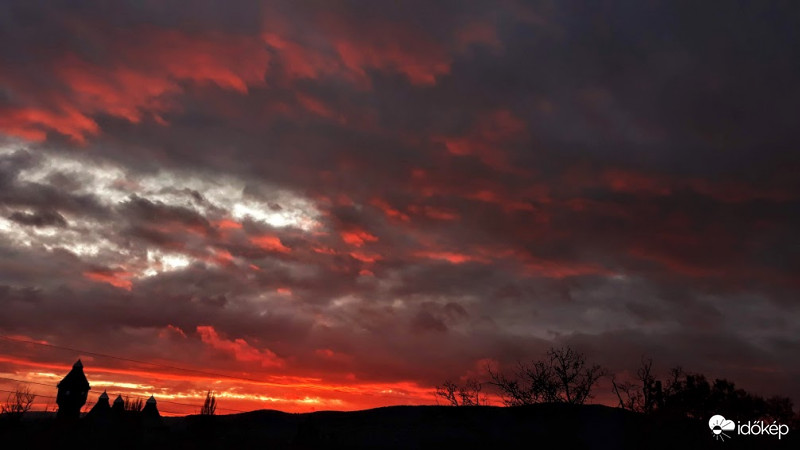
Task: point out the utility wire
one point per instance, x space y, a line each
38 395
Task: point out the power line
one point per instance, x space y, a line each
38 395
28 382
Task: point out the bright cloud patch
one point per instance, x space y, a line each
172 214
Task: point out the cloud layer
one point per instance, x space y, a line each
350 203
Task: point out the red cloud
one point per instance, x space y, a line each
33 123
239 348
116 278
556 269
387 209
451 257
339 46
490 133
434 212
171 331
419 68
227 224
149 66
271 243
300 61
357 237
366 257
222 257
315 106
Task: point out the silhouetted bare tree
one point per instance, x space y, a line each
448 391
133 405
468 394
575 378
563 376
644 396
209 405
628 394
688 394
18 403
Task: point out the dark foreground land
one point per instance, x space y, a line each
402 427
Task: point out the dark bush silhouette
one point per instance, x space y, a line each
563 376
687 394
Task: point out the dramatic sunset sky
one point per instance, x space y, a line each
340 204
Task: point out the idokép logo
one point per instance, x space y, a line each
719 425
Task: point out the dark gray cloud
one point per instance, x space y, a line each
39 219
403 192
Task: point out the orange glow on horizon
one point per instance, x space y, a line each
286 393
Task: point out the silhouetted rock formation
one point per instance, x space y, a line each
72 392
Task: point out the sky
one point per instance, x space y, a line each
338 205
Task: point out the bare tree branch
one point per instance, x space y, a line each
468 394
564 376
18 403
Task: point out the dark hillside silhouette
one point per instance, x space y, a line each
545 425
